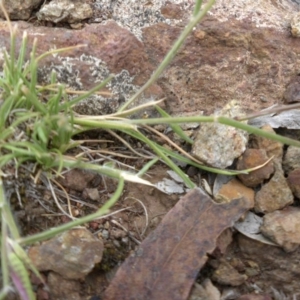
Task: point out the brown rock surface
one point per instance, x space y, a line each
72 254
253 158
61 288
273 148
227 275
78 179
279 270
244 52
294 182
275 194
291 159
234 189
283 228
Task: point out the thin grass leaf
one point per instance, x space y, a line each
162 155
4 234
22 53
222 120
197 7
33 101
147 166
20 277
22 255
175 127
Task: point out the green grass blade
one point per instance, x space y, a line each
176 128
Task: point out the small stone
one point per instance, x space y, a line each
72 254
291 160
218 145
227 275
234 189
253 158
224 240
294 182
77 179
295 25
292 92
105 234
172 11
275 194
92 194
273 148
205 291
117 233
19 9
65 11
283 228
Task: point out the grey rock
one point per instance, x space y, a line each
291 160
282 227
218 145
65 11
19 9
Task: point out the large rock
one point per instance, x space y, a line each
73 254
244 52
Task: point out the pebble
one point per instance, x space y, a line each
234 189
291 160
253 158
73 254
282 227
275 194
273 148
294 182
70 11
218 145
228 275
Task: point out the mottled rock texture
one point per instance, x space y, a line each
244 52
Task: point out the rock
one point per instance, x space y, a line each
254 296
218 145
234 189
279 270
283 228
72 254
205 291
295 25
291 160
273 148
65 11
244 58
292 92
77 179
253 158
61 288
92 194
20 9
227 275
294 182
275 194
224 240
